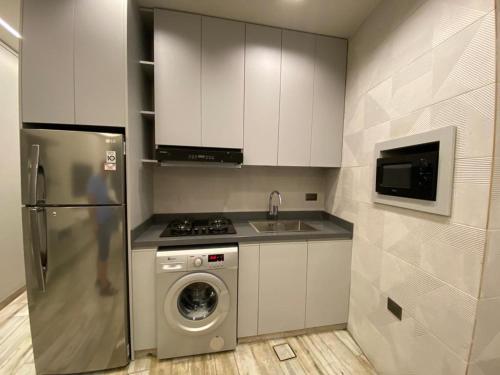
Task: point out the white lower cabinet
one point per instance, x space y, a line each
289 286
328 282
143 298
282 286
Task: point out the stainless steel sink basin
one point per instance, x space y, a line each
275 226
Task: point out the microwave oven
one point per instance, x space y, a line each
410 175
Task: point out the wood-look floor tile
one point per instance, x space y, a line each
26 369
257 358
345 359
140 365
304 357
325 353
290 366
225 363
12 309
349 342
319 354
15 349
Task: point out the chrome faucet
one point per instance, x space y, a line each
273 208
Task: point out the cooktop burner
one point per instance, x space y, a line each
190 227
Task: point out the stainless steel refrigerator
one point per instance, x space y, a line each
75 249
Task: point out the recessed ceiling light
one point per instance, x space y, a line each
10 29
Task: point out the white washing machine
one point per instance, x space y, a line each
196 300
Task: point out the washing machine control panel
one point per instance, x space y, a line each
206 261
212 258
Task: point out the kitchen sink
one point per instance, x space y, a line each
277 226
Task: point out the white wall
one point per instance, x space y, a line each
417 65
11 248
10 12
245 189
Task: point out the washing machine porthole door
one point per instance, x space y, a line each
197 303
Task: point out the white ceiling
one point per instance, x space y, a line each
330 17
10 12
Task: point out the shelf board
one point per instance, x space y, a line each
148 67
148 114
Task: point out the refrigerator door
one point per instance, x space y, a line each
78 322
69 168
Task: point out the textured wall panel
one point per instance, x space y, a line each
414 66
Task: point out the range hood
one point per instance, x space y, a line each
199 156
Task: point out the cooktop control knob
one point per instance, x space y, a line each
198 262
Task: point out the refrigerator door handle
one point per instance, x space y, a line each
40 261
34 162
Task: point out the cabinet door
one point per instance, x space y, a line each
222 82
47 75
328 282
262 94
143 298
100 73
282 287
177 78
248 290
328 105
297 76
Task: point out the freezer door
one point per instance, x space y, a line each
69 168
76 283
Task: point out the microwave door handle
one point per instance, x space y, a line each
34 163
36 244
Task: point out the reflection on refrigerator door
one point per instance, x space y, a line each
58 166
77 325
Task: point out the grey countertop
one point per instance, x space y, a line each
327 227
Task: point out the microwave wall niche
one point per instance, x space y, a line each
410 172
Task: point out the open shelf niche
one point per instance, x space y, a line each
147 67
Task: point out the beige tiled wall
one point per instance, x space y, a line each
245 189
485 354
413 66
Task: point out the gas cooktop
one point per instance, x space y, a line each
190 227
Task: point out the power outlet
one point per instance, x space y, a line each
394 308
311 196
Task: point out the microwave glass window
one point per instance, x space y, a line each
397 176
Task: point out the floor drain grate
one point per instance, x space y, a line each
284 352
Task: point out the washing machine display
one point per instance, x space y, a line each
216 258
196 297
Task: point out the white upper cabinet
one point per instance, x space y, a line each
177 78
73 68
328 104
47 85
296 104
278 94
222 82
100 69
262 94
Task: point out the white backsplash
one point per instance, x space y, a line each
179 189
